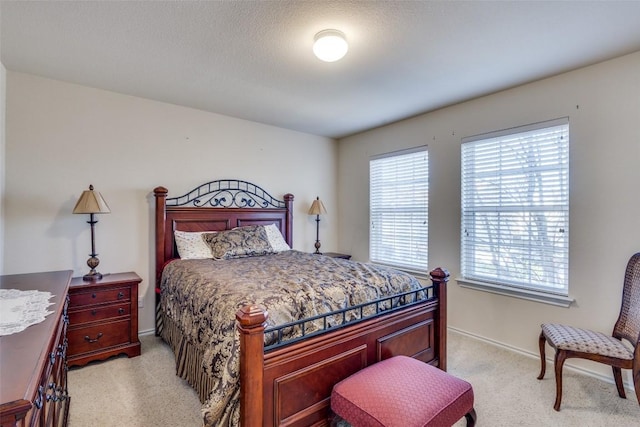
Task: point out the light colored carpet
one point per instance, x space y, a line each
139 392
144 391
508 393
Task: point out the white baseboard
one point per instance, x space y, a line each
146 332
608 379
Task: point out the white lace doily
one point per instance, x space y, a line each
21 309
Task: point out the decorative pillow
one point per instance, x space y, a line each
277 242
238 243
191 245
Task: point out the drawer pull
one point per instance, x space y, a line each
121 311
38 401
86 338
53 395
62 350
93 295
93 312
120 295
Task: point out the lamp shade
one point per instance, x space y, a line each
91 202
317 207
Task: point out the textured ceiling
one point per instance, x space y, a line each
253 60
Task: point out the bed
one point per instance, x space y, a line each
273 367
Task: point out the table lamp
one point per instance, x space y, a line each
91 202
317 209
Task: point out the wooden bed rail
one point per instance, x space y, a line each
269 382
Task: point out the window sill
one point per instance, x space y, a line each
557 300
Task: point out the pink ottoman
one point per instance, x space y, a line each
403 392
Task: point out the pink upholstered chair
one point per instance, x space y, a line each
621 350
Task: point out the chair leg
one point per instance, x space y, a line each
471 417
636 382
561 356
617 375
543 368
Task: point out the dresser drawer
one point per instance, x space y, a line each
94 314
100 296
98 337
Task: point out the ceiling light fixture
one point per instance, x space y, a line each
330 45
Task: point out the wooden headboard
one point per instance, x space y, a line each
214 206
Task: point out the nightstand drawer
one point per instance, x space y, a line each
99 313
103 318
98 337
100 296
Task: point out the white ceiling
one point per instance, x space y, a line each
253 59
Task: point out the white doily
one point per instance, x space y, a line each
21 309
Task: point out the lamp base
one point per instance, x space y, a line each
92 263
92 276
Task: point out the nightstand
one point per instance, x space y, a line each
336 255
103 318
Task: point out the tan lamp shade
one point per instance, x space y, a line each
91 202
317 207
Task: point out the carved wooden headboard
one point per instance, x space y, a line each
214 206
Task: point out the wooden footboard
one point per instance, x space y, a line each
291 385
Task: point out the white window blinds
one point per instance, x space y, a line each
398 196
515 207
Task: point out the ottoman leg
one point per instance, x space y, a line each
471 418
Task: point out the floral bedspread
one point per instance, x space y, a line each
199 300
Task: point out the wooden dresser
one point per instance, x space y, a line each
33 367
103 318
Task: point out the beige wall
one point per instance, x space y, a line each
3 102
603 104
62 137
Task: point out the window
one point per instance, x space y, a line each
398 196
515 208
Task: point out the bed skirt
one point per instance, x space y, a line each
188 358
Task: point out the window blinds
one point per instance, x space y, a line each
398 197
515 207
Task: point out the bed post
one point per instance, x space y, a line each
160 194
251 322
288 200
440 277
161 217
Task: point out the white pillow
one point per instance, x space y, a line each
277 242
191 245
